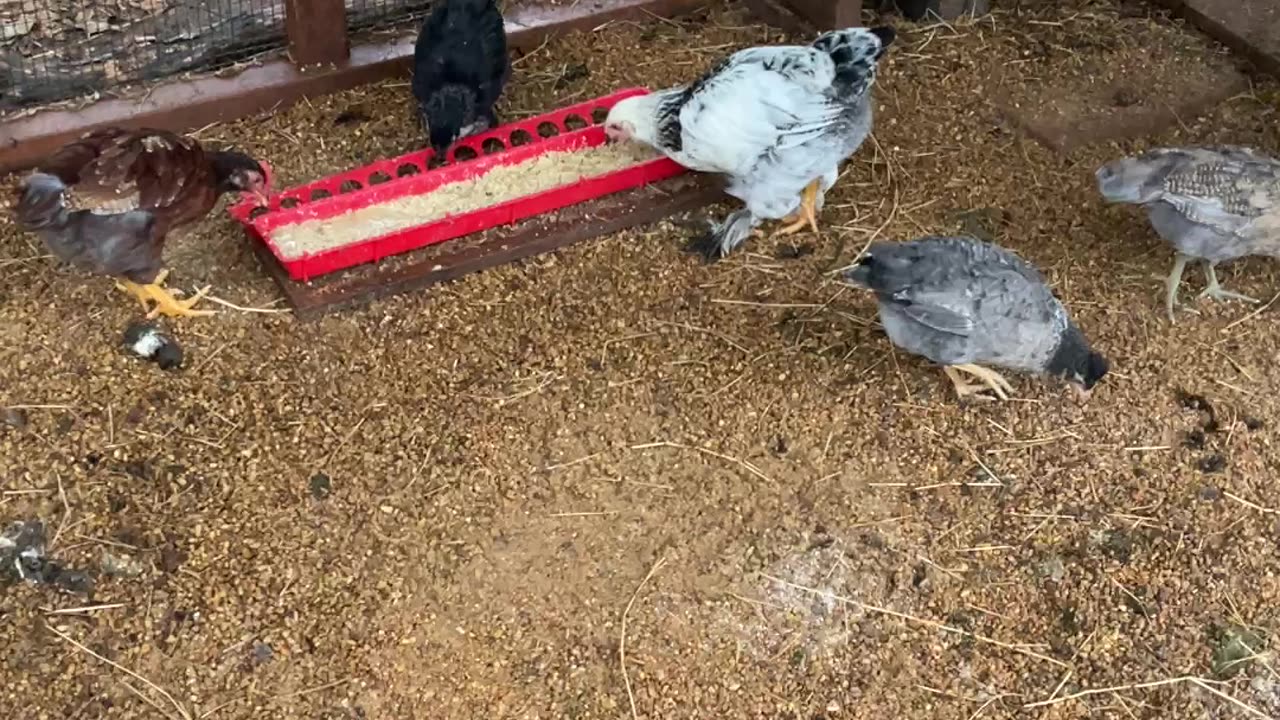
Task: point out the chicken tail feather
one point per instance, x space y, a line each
722 238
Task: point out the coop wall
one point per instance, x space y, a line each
55 51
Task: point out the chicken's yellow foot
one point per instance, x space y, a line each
807 214
990 380
169 306
136 290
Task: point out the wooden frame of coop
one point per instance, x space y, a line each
321 60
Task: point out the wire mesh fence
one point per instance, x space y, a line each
371 14
53 50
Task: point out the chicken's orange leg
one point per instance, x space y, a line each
139 291
169 306
807 214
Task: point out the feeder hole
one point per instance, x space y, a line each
464 154
575 122
548 129
349 186
436 161
290 202
320 194
378 178
492 145
599 115
407 169
520 137
258 212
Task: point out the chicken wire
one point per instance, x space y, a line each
53 50
369 14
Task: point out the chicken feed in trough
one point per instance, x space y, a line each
495 178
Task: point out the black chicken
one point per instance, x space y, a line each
106 203
460 66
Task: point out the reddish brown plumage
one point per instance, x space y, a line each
108 201
171 176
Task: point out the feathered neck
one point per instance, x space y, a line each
649 112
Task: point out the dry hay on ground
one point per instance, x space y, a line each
442 505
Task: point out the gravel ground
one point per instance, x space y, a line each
487 499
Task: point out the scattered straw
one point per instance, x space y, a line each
83 610
919 621
1253 314
622 638
66 513
267 309
1202 683
714 333
312 690
347 438
182 711
571 463
739 461
1246 503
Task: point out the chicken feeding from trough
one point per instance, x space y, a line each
389 207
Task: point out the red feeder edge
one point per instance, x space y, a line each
575 127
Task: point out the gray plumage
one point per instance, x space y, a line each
771 120
960 301
121 244
1212 204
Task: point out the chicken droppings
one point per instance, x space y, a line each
500 184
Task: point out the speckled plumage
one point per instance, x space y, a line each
1214 203
771 120
959 301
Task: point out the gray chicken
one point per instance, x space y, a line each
960 302
1210 203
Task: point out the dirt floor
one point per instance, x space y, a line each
487 499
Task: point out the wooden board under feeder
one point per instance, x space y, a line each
446 261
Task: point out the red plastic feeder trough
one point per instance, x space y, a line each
569 129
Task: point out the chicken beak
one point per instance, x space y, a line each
262 197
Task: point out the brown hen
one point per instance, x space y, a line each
106 203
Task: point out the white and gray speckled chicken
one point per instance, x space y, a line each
775 121
961 302
1210 203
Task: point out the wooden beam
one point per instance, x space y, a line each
829 14
317 31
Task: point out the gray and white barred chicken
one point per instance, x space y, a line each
1210 203
775 121
963 304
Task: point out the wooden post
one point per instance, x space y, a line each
829 14
317 31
